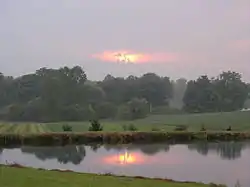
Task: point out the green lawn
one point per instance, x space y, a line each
26 177
22 128
239 121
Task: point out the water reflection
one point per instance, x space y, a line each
66 154
149 150
125 158
76 154
226 150
95 147
225 162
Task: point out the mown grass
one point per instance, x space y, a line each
239 121
22 128
31 177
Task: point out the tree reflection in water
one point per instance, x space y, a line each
66 154
95 147
1 150
146 149
226 150
75 154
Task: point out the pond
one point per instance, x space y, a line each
224 162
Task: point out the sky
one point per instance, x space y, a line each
174 38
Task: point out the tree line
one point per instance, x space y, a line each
65 94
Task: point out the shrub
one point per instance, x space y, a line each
229 128
181 128
155 129
67 128
124 127
203 128
95 126
131 127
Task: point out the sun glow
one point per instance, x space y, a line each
126 56
125 159
121 56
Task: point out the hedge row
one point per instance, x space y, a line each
117 137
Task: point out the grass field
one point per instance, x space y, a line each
239 121
31 177
23 128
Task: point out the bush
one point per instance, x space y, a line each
67 128
129 127
203 128
124 127
229 128
155 129
95 126
181 128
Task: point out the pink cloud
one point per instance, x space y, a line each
241 45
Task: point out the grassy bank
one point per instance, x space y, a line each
31 177
239 121
117 137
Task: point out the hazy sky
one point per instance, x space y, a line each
198 36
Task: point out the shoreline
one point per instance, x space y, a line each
58 171
50 139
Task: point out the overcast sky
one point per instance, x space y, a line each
204 36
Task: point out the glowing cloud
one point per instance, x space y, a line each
125 56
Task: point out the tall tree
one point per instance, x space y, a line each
225 93
232 91
156 90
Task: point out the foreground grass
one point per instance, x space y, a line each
239 121
27 177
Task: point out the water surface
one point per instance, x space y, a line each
223 163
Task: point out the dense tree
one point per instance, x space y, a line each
225 93
232 91
134 109
247 104
156 90
65 94
200 96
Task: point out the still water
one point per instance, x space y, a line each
223 163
